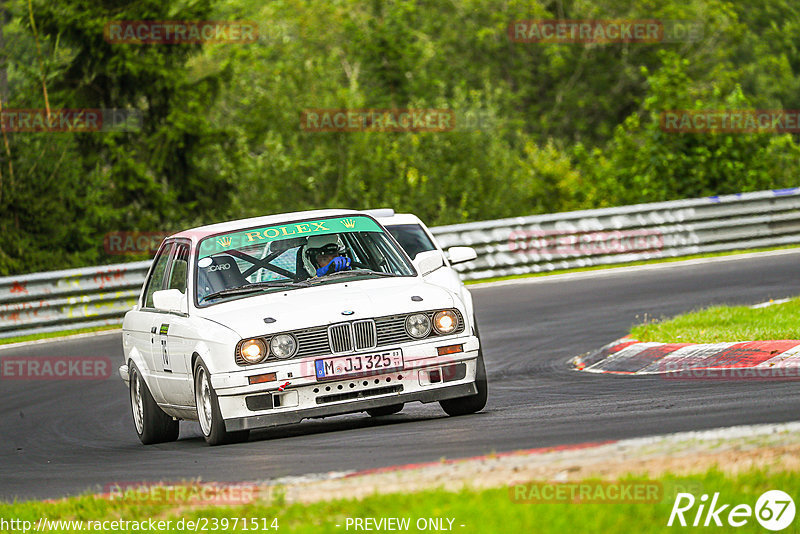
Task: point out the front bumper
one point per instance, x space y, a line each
425 377
275 419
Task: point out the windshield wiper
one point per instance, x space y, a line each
341 274
250 288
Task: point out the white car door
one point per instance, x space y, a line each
140 321
173 333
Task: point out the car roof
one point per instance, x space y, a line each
387 217
196 234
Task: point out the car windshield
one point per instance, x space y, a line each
289 255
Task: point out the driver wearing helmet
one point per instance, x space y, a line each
324 252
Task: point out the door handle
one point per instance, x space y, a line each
153 330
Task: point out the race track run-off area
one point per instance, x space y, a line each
765 360
64 437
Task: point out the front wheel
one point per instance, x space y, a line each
211 422
471 403
152 424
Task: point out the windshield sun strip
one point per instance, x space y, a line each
352 224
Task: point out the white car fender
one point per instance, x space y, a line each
467 298
136 358
201 351
215 349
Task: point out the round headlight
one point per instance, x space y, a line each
283 346
253 350
445 322
418 325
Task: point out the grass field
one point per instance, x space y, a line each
725 323
486 511
61 333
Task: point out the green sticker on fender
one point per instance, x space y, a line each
338 225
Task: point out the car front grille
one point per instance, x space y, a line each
340 338
392 330
312 341
358 335
363 334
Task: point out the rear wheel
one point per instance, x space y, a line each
471 403
151 423
385 410
211 422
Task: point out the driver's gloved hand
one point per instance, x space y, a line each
337 264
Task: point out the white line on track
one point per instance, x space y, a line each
769 303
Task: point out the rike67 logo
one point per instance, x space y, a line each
774 510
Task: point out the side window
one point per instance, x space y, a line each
157 276
179 269
412 238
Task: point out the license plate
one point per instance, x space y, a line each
359 364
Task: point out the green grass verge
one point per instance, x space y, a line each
630 264
60 333
725 323
485 511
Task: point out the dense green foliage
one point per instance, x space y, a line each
566 126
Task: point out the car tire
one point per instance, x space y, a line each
151 423
385 410
471 403
208 413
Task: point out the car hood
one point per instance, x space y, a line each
326 304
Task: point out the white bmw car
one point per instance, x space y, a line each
267 321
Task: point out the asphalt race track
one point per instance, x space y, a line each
67 437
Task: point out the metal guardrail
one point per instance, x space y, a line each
96 296
75 298
560 241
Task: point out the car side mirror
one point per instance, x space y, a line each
170 300
461 254
428 261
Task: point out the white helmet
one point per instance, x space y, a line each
316 244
